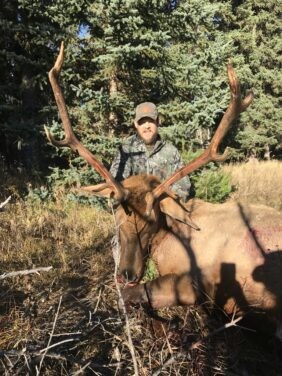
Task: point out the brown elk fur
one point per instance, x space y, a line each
235 260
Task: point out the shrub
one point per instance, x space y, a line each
213 185
151 271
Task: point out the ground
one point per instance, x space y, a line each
67 321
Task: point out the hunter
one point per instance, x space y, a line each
147 153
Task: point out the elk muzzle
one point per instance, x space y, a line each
132 261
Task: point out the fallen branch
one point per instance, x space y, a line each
173 358
55 345
81 370
51 355
25 272
169 362
116 256
5 202
50 338
233 322
91 365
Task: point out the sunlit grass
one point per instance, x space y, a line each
38 233
257 182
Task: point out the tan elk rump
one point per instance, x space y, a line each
226 253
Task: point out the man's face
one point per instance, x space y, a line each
147 130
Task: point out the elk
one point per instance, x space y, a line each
230 254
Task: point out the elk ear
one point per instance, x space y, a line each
102 190
177 211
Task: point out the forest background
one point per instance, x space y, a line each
118 54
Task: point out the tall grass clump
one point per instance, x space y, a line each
34 232
257 182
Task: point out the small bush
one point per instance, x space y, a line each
213 186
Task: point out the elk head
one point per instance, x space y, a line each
142 198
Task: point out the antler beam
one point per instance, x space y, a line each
70 139
236 106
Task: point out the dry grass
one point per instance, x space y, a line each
76 241
257 182
31 234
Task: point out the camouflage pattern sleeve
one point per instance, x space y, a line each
182 187
121 165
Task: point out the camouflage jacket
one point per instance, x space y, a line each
135 158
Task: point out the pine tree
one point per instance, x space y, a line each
254 29
148 51
122 52
199 54
121 63
30 34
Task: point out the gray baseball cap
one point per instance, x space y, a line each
146 109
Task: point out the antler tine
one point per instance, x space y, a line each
70 139
236 106
53 75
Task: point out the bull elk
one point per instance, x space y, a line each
226 253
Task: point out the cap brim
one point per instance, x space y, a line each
151 116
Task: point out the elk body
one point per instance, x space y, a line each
229 253
234 260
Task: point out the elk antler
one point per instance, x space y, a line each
236 106
70 139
